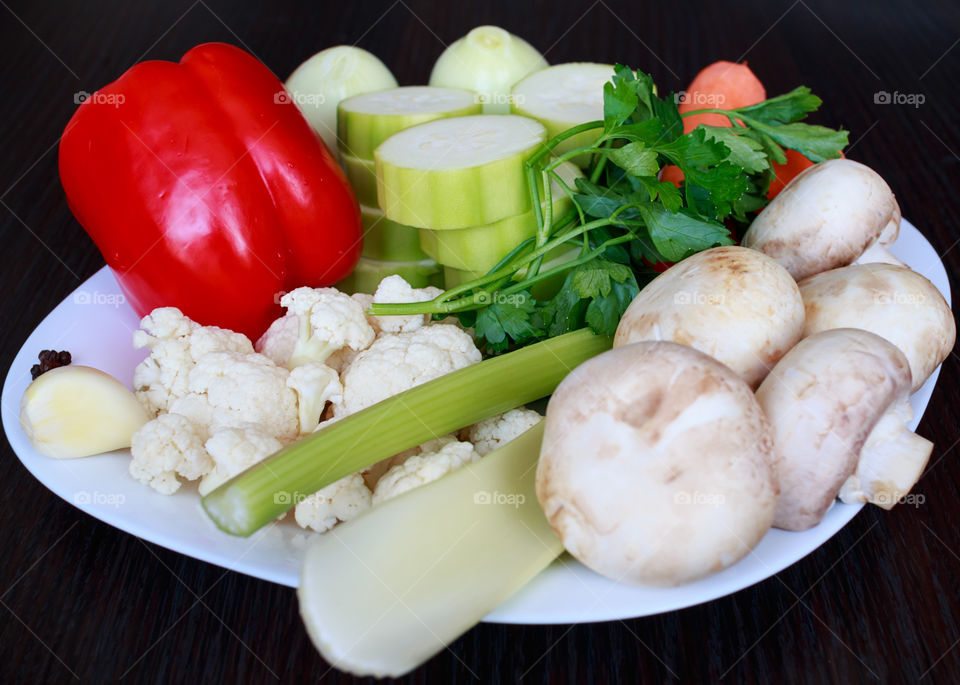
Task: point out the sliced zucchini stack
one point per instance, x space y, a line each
563 96
463 182
363 123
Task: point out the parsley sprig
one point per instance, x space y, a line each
625 220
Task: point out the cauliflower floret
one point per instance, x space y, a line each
166 447
395 289
365 300
176 343
234 450
228 389
495 432
318 323
438 458
372 473
280 339
339 501
398 362
315 384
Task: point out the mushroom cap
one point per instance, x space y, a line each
736 305
825 218
894 302
656 465
823 399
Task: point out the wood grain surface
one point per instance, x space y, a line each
878 602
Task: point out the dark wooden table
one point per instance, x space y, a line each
880 601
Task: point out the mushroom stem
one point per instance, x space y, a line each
878 253
891 461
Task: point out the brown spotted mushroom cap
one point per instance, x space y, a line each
734 304
656 465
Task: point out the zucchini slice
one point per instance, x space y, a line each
387 240
563 96
459 172
365 121
480 248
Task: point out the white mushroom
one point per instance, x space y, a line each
827 217
656 465
737 305
838 404
891 301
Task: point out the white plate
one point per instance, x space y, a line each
95 324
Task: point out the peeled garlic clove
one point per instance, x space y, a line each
78 411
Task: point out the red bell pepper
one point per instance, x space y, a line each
206 189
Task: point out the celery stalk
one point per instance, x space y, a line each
260 494
386 591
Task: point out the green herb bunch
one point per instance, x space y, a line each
625 220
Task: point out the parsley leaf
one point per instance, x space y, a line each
594 294
786 108
694 150
678 235
635 158
816 143
595 279
620 97
508 317
746 152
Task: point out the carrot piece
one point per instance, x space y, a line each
722 85
784 173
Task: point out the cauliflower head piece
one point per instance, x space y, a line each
396 289
318 322
234 450
339 501
176 343
228 389
398 362
493 433
165 448
436 459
